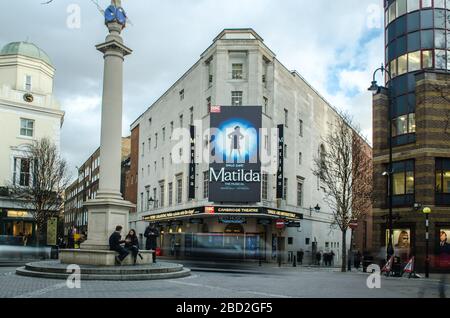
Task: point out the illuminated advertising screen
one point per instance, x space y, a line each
235 167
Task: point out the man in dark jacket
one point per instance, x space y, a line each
151 233
114 245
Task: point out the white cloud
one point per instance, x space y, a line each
321 39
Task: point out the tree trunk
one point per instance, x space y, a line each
344 251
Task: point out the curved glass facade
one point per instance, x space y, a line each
417 36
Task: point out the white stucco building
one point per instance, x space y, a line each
237 69
28 112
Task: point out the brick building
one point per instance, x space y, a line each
418 106
85 187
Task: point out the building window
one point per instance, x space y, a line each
26 127
427 59
405 124
28 83
300 159
237 71
156 140
300 128
402 64
143 149
181 121
236 98
161 193
300 182
149 144
150 122
426 3
171 128
155 203
286 117
208 105
414 61
179 189
170 193
265 181
285 151
403 185
205 185
191 115
22 172
443 181
142 202
439 59
413 5
182 94
164 134
162 163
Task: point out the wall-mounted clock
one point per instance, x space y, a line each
28 97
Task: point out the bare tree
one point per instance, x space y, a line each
43 192
344 167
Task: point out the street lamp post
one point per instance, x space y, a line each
427 212
375 89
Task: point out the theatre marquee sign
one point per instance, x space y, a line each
223 211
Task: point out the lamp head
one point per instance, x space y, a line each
426 210
374 87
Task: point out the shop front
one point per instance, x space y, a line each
17 228
218 232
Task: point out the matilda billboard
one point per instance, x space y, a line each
235 166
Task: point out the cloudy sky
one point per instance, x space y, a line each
334 45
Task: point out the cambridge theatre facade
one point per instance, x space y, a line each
233 209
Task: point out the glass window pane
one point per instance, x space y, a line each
392 12
402 64
413 23
409 182
439 39
426 3
414 61
446 184
400 26
427 39
439 19
401 7
448 60
414 5
401 45
412 123
413 41
427 59
448 4
393 68
439 59
398 183
439 3
439 181
426 19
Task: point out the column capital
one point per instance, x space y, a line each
115 46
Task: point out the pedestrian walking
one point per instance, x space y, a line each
300 256
318 258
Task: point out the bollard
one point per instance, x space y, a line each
294 264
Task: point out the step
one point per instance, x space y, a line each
56 267
184 272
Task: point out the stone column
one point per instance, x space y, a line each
109 209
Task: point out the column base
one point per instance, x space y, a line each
104 214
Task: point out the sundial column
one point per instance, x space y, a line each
109 209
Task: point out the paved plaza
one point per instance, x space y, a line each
269 282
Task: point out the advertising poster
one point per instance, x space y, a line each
401 239
235 166
443 249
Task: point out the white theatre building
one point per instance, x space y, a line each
28 112
238 69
